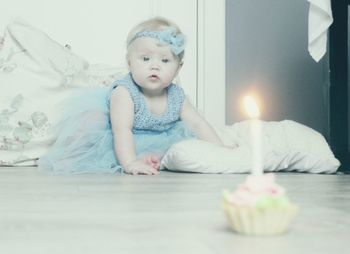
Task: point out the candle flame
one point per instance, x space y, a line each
251 107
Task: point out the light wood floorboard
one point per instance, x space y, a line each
169 213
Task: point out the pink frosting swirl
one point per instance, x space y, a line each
255 188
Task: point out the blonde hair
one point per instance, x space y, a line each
153 24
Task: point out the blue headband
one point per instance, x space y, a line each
166 36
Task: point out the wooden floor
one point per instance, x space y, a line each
169 213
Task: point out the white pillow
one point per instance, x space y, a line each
287 145
36 73
32 49
43 55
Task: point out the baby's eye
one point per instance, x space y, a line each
165 60
145 58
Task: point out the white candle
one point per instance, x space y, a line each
255 135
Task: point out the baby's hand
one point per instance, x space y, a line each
152 160
140 167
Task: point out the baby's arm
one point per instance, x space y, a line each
198 124
122 117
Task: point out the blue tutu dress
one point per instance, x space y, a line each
85 140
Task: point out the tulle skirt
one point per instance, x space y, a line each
85 142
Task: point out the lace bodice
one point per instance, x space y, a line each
144 120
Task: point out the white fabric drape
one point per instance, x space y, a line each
320 19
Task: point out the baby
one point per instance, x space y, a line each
130 125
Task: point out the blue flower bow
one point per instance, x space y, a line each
166 36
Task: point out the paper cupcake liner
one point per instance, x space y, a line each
259 221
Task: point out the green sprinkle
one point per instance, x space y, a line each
268 202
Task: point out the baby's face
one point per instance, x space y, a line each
153 66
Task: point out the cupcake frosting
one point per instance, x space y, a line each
259 191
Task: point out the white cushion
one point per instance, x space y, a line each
36 73
287 145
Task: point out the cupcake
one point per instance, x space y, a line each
259 207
